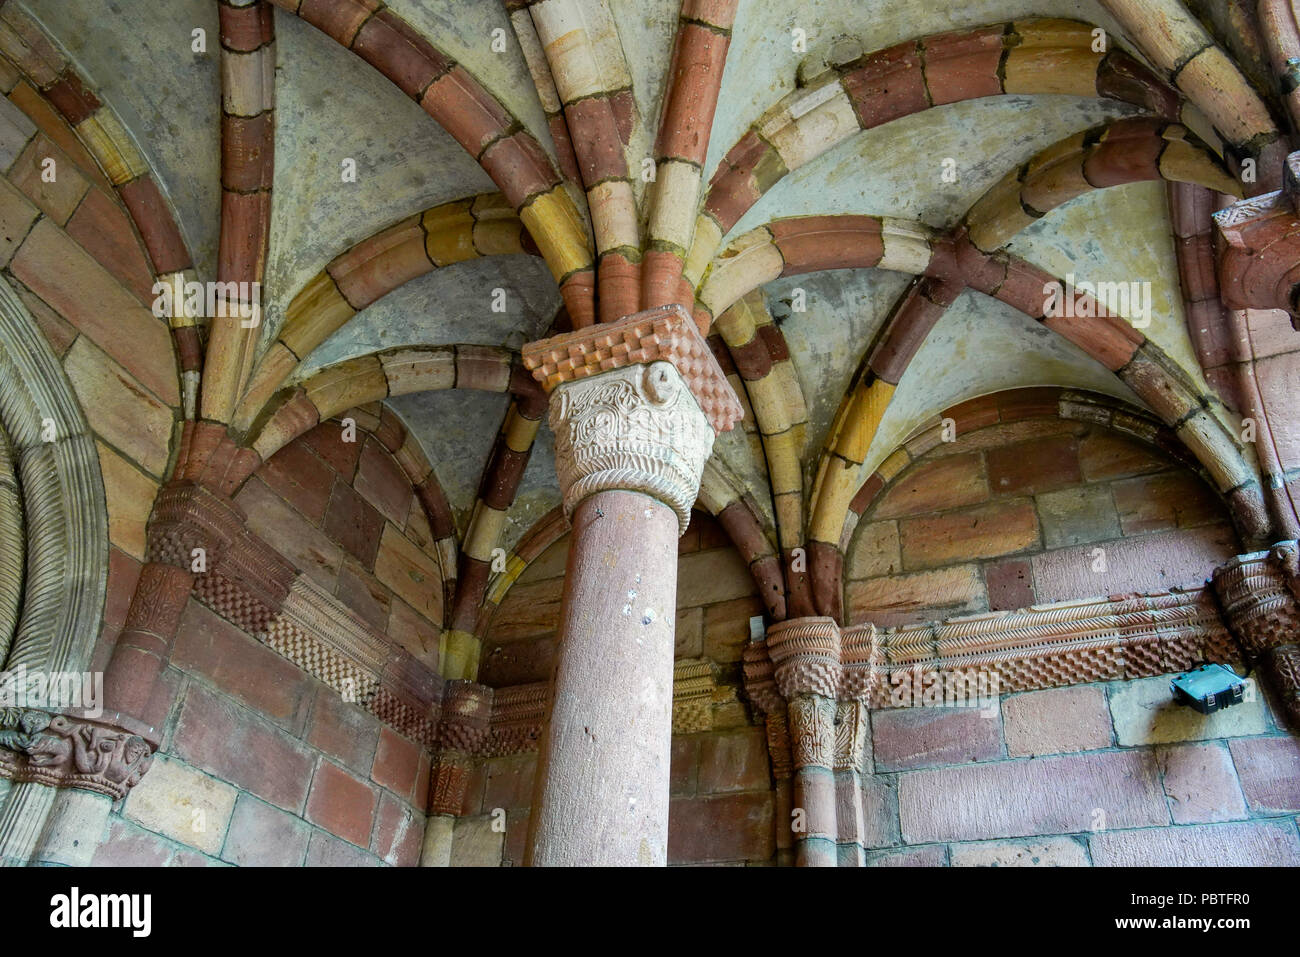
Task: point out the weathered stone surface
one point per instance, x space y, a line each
475 843
734 761
343 731
1051 852
212 648
712 576
510 782
1144 712
397 763
326 850
726 627
341 804
182 803
399 829
1059 795
930 855
984 531
875 551
310 551
906 738
1146 563
215 733
1056 721
1270 773
264 836
946 483
1253 844
1075 515
1200 783
904 599
127 417
725 827
410 572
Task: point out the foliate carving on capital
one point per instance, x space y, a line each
61 750
760 679
636 428
850 734
812 731
778 744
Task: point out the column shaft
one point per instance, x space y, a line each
812 735
602 791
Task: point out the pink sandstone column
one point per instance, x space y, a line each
631 439
604 764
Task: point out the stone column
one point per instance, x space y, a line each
462 732
1260 597
634 406
805 654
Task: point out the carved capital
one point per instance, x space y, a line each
65 751
466 716
778 744
760 679
636 428
186 516
665 333
1260 597
1260 265
805 653
635 405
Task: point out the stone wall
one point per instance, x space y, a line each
1096 774
1028 512
261 764
345 514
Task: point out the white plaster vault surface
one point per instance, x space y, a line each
331 105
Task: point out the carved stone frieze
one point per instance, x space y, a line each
805 653
188 516
466 716
62 750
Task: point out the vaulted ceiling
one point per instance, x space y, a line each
929 167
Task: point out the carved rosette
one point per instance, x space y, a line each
1260 596
639 429
61 750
